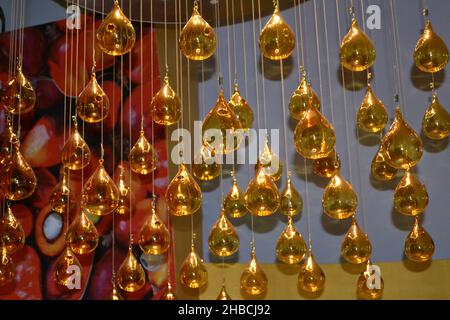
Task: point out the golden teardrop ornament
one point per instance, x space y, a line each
402 146
270 163
314 136
60 199
431 52
131 275
262 197
410 195
436 120
166 105
241 109
197 39
116 35
300 98
234 202
92 102
18 179
18 95
82 236
419 246
12 236
64 268
154 237
75 154
339 201
193 273
290 247
276 40
100 195
356 247
183 194
357 52
222 121
291 201
372 115
6 139
311 277
142 157
368 286
328 166
223 240
254 280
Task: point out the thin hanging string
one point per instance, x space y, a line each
151 90
397 62
21 14
180 74
230 81
234 43
217 26
306 174
130 137
347 134
102 131
65 119
244 49
330 92
12 43
165 32
263 78
319 69
286 157
297 41
142 63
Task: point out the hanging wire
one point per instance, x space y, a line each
130 137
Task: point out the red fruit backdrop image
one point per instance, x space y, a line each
59 62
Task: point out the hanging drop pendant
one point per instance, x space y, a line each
92 102
410 195
223 240
262 197
142 156
372 114
436 121
18 95
339 201
131 275
419 246
356 247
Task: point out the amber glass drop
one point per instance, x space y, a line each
123 206
410 196
419 246
12 236
18 178
357 51
356 247
222 119
62 267
100 195
205 167
60 199
234 202
254 280
92 102
197 39
311 277
314 136
262 197
380 169
362 286
131 275
327 166
436 121
276 40
223 294
270 163
402 146
76 154
372 114
339 201
18 95
431 52
6 139
169 294
193 273
7 269
300 99
82 236
116 35
291 201
142 157
154 236
290 248
241 109
183 194
223 240
166 106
